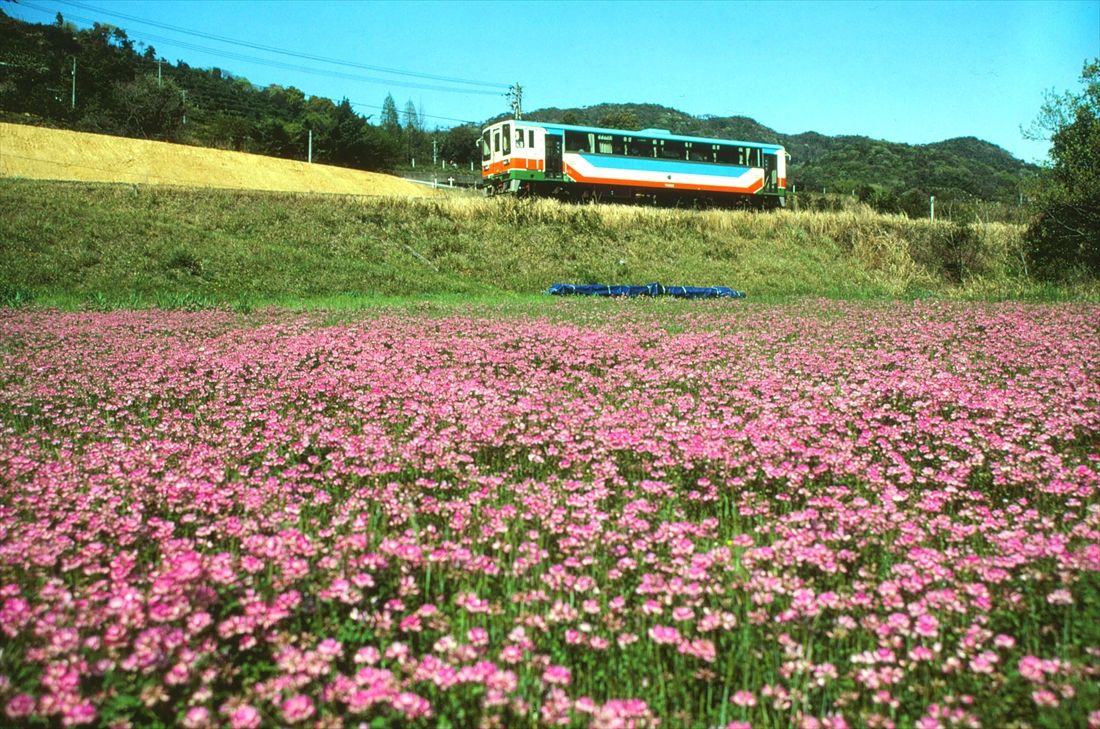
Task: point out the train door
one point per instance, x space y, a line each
771 181
486 151
553 156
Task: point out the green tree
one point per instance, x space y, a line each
356 144
459 145
391 123
147 108
621 119
417 143
1065 234
412 119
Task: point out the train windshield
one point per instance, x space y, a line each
486 149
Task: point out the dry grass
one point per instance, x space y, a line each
53 154
890 252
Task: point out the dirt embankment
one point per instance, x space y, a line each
53 154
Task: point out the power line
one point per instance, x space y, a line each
425 116
294 54
281 65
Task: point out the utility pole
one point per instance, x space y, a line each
73 106
932 208
515 99
310 146
184 93
435 151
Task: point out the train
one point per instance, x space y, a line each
652 166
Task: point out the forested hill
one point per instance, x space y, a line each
889 175
124 88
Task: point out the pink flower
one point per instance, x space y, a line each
921 653
244 717
927 626
330 648
682 613
367 654
1044 697
19 706
984 662
663 634
700 648
197 717
1031 668
743 698
511 654
559 675
625 639
1060 596
82 713
297 708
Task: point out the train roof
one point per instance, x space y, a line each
648 133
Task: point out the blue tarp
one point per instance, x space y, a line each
653 289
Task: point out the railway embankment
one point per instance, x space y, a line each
88 244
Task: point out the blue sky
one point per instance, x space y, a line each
913 72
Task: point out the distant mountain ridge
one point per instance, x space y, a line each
892 175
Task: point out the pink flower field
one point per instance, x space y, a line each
715 515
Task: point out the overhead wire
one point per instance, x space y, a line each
285 52
419 115
284 66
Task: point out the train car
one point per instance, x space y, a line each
652 165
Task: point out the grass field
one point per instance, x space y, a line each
103 246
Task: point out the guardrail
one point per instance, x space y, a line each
443 182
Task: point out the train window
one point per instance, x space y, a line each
579 142
748 156
728 155
671 149
496 141
519 139
531 138
610 144
486 150
699 152
507 139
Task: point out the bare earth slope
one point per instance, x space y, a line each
53 154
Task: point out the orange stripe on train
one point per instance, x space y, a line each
514 163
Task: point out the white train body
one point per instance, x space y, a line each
530 157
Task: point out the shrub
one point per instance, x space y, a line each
1064 238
